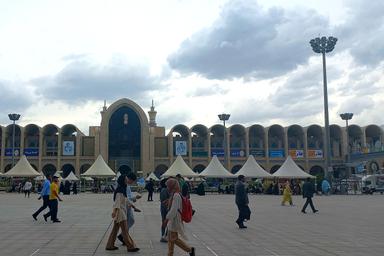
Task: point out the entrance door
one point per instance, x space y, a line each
125 139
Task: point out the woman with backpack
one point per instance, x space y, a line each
174 222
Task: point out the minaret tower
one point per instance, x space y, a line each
152 116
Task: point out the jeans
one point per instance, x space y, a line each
45 205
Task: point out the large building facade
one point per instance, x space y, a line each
130 141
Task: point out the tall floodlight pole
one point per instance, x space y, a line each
324 45
347 117
14 118
224 117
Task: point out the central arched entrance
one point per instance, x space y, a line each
124 147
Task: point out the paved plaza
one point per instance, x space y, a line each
345 225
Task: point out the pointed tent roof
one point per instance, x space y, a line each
179 167
22 169
71 177
99 169
216 170
40 177
251 169
152 176
289 169
58 174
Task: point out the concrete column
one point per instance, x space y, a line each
78 154
266 146
190 150
306 148
22 136
246 142
59 149
209 145
170 147
2 149
41 150
286 142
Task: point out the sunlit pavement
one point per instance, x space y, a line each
345 225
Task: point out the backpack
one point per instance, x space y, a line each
186 211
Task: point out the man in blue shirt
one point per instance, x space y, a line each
45 195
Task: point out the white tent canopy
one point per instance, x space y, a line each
216 170
251 169
57 174
22 169
152 176
40 178
179 167
87 178
99 169
289 169
71 177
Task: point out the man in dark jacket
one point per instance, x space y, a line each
308 191
242 201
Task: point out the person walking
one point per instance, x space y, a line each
150 187
308 191
44 194
119 216
53 200
287 194
242 201
325 187
174 222
164 201
130 204
27 188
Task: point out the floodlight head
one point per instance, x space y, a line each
346 116
14 117
224 117
323 44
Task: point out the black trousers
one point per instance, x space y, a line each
244 213
150 195
45 205
308 201
53 208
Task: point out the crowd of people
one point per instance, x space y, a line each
174 192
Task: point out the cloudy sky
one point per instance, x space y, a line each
59 60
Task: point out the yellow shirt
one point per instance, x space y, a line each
53 187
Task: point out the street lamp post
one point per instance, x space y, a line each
14 118
224 117
347 117
324 45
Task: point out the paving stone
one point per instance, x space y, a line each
345 225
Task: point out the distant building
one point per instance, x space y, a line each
128 141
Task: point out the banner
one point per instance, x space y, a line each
296 153
8 152
257 152
217 152
68 148
315 153
199 153
276 153
237 153
31 151
180 148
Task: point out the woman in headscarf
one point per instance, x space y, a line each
164 200
287 194
119 216
175 224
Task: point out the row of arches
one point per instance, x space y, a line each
257 137
34 138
